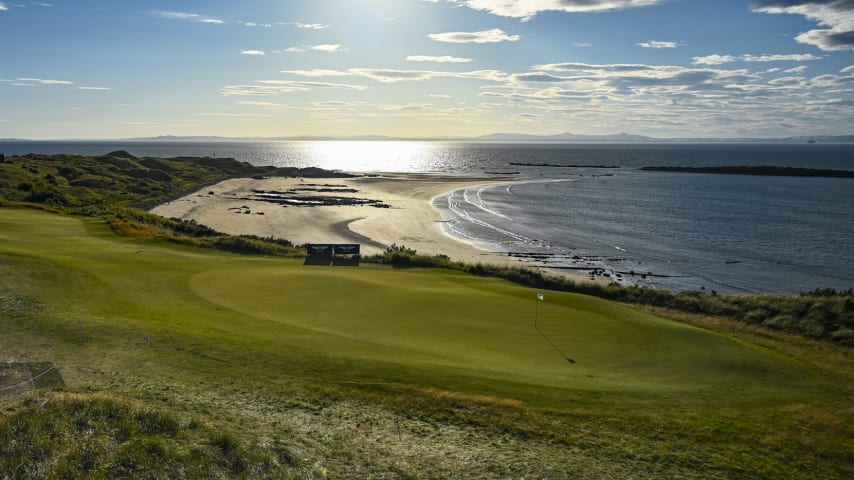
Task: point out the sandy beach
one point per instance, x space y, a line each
404 216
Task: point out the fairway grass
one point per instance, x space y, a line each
369 371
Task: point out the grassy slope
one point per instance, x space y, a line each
416 372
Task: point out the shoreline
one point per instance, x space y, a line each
301 210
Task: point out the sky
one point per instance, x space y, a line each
101 69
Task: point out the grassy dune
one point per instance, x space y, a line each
369 371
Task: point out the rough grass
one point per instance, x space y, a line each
374 372
75 435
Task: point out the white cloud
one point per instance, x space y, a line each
278 87
494 35
3 7
252 52
537 77
386 75
98 89
720 59
526 9
309 26
443 59
46 5
325 48
837 15
636 79
253 24
800 69
798 57
848 69
234 115
439 95
41 81
188 17
713 59
319 73
328 48
658 44
583 45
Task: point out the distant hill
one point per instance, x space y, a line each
566 137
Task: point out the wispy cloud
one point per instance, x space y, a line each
798 57
42 81
328 48
253 24
97 89
278 87
252 52
658 44
637 78
325 48
486 36
837 15
234 115
188 17
443 59
527 9
3 7
318 72
387 75
267 105
713 59
527 117
308 26
721 59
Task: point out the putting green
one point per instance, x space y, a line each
431 321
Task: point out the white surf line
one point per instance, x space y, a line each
455 208
480 202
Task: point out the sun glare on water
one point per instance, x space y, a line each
365 156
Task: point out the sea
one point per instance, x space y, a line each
589 209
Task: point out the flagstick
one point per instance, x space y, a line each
537 328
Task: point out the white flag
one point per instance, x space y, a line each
539 296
